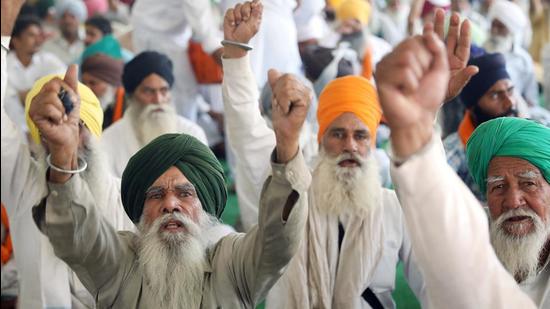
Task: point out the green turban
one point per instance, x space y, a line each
194 159
508 137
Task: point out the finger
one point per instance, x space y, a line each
273 76
407 81
48 107
452 35
245 11
256 9
436 47
439 23
464 42
230 17
237 13
464 75
71 77
428 27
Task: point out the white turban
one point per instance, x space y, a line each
75 7
514 18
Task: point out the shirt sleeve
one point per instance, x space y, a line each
200 17
449 236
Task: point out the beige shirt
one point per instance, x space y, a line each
241 267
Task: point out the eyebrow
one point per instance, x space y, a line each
528 175
493 179
180 187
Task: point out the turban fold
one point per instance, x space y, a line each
90 108
508 137
353 94
492 68
143 65
354 9
105 68
194 159
108 45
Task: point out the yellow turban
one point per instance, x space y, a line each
90 108
353 94
354 9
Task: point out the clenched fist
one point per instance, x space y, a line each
240 24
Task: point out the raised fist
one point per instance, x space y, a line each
242 22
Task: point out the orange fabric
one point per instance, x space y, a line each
119 105
366 70
466 128
7 247
206 69
353 94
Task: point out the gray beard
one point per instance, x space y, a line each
520 255
344 190
148 124
173 264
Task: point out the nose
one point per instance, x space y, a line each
350 145
507 101
171 204
514 199
158 97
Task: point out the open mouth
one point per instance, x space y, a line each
518 219
349 163
173 225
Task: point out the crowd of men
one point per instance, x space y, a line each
361 135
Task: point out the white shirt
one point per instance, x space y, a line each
449 234
22 78
120 142
45 280
68 53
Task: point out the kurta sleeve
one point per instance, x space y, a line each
251 263
83 238
248 135
201 19
450 239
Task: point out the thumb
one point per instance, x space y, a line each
71 77
273 76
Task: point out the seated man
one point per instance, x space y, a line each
147 80
488 95
510 161
174 187
448 228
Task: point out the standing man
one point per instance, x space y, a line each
148 81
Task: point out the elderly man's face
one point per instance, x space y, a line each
98 86
513 184
68 24
347 134
171 193
153 90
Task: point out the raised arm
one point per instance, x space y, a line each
447 226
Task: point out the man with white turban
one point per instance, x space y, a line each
68 45
509 29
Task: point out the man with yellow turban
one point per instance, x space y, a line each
45 280
447 225
510 161
174 188
355 234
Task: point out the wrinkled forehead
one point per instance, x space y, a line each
501 167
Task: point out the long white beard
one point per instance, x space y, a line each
499 44
174 263
108 97
351 190
152 120
520 254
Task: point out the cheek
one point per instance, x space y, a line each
495 209
332 146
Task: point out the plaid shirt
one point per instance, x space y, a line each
456 157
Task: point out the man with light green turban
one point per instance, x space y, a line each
510 161
174 189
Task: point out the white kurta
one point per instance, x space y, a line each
449 234
166 26
252 141
22 78
45 281
120 142
68 53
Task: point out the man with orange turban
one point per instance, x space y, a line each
355 233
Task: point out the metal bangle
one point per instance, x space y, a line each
82 166
244 46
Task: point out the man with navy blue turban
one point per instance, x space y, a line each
510 161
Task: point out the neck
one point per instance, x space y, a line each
24 58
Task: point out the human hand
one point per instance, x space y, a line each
240 24
458 50
290 103
412 81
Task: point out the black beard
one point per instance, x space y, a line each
480 116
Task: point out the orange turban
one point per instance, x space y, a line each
353 94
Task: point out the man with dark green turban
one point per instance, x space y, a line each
174 190
510 161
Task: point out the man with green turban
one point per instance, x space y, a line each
173 188
510 161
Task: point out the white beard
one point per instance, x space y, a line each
351 190
108 97
499 44
520 254
173 263
149 123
